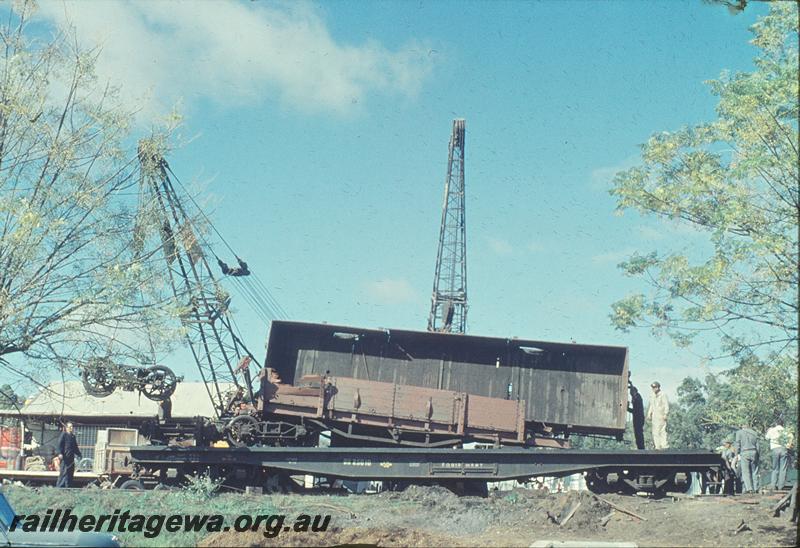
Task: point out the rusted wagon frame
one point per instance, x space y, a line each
395 408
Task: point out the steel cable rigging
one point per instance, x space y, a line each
254 291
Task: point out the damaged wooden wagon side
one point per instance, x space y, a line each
422 388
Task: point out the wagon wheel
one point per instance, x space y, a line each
596 482
242 431
84 465
98 378
158 383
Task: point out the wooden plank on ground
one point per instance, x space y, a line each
570 513
620 508
783 503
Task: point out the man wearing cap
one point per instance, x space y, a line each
657 413
726 450
746 443
780 442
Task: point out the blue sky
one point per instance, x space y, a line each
318 135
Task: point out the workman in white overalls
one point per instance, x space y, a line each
657 413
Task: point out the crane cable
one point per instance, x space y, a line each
256 299
257 294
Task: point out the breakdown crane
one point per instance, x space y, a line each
216 349
222 358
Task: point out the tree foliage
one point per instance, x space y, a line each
736 180
688 427
707 411
71 283
753 393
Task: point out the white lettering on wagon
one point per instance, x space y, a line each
357 462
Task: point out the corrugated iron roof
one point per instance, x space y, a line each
70 399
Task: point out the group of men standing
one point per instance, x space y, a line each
743 455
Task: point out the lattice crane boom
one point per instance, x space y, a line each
217 351
449 299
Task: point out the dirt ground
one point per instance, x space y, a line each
433 516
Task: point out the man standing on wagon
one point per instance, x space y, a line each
636 408
657 413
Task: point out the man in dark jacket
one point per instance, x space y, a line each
746 443
67 451
636 409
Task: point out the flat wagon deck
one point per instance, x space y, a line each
624 471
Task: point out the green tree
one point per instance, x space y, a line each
753 393
71 284
736 180
689 426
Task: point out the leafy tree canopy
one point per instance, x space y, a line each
736 180
753 393
71 283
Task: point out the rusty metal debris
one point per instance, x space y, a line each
101 376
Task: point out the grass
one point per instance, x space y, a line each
197 500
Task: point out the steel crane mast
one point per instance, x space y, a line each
449 300
217 351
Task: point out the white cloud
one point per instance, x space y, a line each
500 246
232 52
390 291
